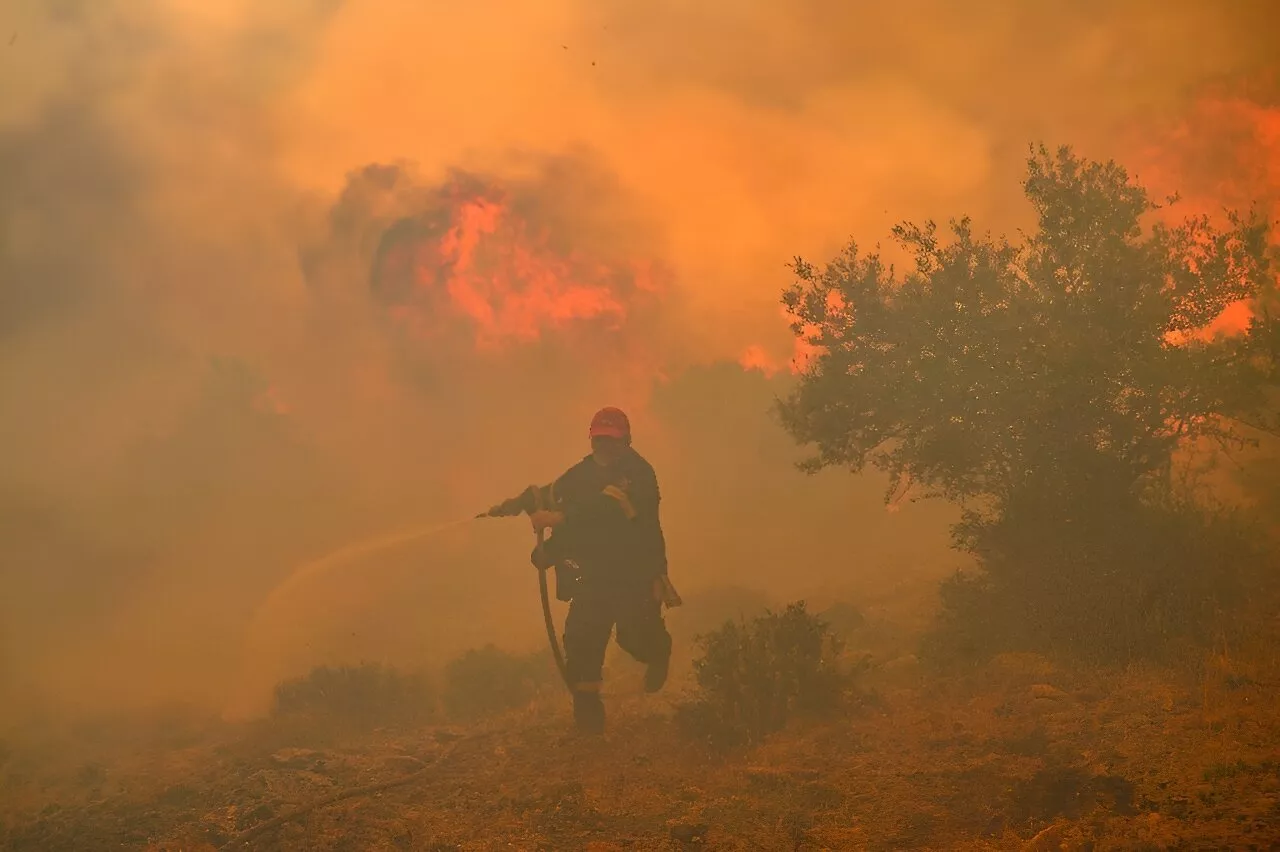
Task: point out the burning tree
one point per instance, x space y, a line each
1047 388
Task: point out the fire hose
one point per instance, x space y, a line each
534 499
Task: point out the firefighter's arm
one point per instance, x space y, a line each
548 510
533 499
645 498
660 546
663 590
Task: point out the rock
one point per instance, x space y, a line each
403 762
297 758
281 783
689 832
907 663
261 813
1047 692
1049 840
902 672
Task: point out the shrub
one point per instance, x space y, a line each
753 676
1141 581
356 697
486 681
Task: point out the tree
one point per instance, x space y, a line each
1046 386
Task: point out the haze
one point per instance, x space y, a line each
199 391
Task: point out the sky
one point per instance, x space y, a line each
205 385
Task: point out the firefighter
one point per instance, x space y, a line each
609 554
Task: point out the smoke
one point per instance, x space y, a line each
204 383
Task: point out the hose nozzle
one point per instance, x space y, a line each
524 503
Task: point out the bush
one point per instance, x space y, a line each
1136 581
488 681
360 697
753 676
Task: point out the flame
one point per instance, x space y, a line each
1235 318
754 357
509 278
759 359
803 352
1222 152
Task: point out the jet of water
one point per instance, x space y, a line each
259 670
346 556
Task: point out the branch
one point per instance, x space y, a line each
1254 426
301 811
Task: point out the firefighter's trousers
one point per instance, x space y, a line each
595 613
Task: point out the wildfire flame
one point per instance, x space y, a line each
1222 153
510 278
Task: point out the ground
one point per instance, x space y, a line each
1016 754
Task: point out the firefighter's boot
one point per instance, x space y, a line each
588 712
655 674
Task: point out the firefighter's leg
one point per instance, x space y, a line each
643 634
586 637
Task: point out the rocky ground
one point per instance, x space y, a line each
1015 755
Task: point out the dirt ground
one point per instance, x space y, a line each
1015 755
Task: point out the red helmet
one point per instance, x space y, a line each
610 423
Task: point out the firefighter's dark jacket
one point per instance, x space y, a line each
611 528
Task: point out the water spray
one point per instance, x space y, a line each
344 555
258 631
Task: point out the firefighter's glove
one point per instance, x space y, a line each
544 519
665 593
507 508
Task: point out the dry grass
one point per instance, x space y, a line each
1019 754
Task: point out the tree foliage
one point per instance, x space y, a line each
1051 379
